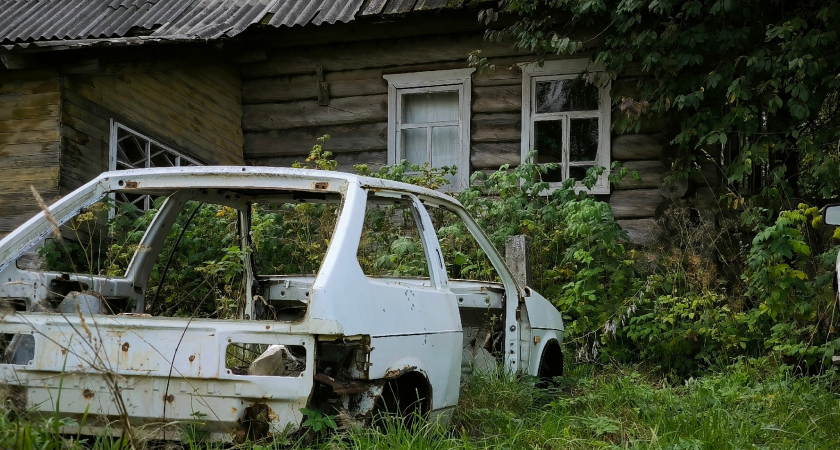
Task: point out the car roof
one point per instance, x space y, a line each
209 176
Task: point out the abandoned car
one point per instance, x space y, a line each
236 297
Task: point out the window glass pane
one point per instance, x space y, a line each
463 257
548 142
414 145
565 95
578 172
583 139
445 147
430 108
391 245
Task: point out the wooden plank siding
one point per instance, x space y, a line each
282 117
30 108
196 111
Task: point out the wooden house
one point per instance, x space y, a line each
96 85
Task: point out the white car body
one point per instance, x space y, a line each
110 372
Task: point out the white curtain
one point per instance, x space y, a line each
429 109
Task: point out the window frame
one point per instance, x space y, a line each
113 143
567 70
456 80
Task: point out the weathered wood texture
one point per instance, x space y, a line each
635 204
346 161
649 173
282 117
196 111
641 231
30 102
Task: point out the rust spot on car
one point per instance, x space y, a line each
233 410
255 422
125 347
396 373
322 185
88 394
192 358
170 398
132 184
268 327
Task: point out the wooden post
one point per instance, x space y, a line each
518 258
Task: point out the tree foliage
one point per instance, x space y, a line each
750 83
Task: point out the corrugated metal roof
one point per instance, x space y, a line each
23 21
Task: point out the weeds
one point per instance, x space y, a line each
751 404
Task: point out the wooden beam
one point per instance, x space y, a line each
649 171
346 161
281 116
635 204
496 127
492 155
637 146
299 141
497 99
641 231
83 67
370 54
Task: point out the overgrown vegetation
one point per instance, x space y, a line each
753 403
749 86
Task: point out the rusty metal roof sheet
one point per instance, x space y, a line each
32 21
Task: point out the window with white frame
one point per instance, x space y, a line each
567 121
132 150
429 121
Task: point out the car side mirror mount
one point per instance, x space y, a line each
831 215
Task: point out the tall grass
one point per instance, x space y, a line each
752 404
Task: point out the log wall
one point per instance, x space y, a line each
194 110
30 104
282 115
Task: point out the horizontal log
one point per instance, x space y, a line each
299 141
641 231
280 116
646 124
352 83
85 66
496 99
494 155
30 112
29 155
496 127
15 100
23 137
368 54
637 146
649 171
13 76
507 73
22 125
346 161
19 180
304 87
635 204
34 86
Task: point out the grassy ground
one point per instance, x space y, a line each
750 405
